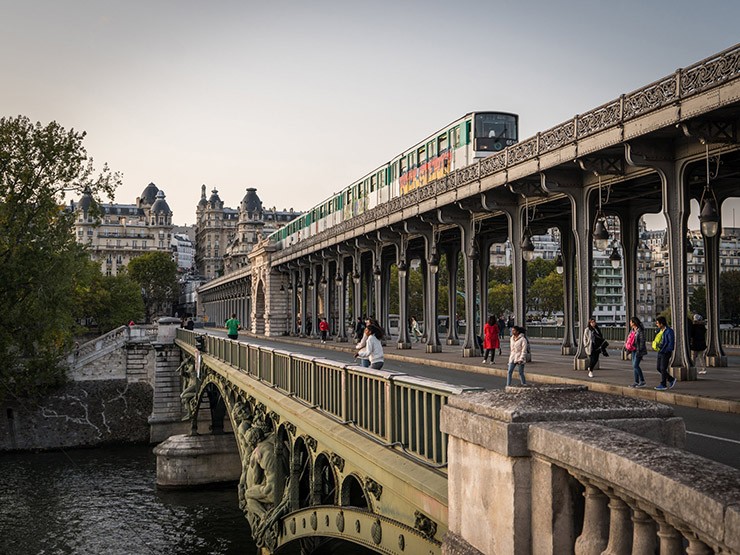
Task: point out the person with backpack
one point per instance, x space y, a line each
593 341
635 345
664 343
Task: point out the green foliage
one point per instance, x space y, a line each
500 274
539 268
110 301
41 266
500 298
156 274
698 301
729 295
546 294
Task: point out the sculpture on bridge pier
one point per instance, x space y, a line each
263 491
191 386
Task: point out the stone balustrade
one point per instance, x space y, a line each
550 470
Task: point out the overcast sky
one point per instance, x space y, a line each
298 99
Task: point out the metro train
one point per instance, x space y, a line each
458 144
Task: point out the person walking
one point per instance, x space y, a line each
665 352
518 356
324 329
373 350
635 345
698 343
501 327
415 331
232 327
592 342
491 340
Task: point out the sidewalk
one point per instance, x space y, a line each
718 390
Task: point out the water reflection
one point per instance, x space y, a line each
104 501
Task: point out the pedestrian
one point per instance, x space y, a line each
324 329
518 354
232 327
415 331
698 342
501 327
491 340
190 325
592 343
665 346
359 329
635 345
373 350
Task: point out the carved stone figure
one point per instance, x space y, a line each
263 481
191 385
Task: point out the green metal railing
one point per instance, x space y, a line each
394 408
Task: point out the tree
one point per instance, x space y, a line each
501 298
729 295
156 274
698 301
41 265
547 292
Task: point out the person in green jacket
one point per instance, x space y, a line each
232 327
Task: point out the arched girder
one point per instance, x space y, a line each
376 532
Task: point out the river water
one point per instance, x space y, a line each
104 501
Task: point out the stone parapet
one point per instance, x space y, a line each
490 471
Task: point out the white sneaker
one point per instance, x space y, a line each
590 374
702 371
484 361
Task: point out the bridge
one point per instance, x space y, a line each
648 151
401 464
331 452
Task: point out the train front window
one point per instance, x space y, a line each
495 131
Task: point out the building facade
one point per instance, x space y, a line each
225 236
116 233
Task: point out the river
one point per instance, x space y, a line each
104 501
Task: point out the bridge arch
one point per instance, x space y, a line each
325 481
353 493
260 304
301 473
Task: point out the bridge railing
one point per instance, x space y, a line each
395 409
638 494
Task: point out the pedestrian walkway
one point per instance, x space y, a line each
718 390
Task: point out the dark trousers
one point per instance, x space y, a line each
593 358
491 352
664 360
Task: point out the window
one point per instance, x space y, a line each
455 134
442 143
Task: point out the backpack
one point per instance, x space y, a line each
658 340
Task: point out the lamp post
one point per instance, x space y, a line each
615 258
559 264
527 247
709 217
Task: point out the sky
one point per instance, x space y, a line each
299 99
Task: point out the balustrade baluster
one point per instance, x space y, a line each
594 538
698 547
620 528
671 542
643 533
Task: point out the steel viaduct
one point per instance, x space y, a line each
400 465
